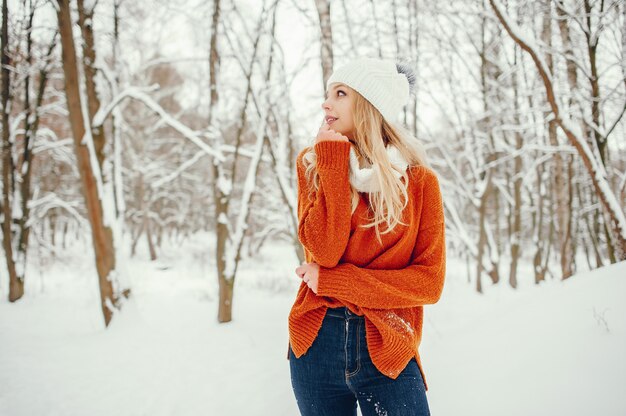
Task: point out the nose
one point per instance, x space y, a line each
326 105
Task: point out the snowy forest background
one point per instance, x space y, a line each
154 138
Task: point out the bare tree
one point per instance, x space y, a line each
562 186
230 237
32 120
489 73
326 37
91 179
590 158
16 283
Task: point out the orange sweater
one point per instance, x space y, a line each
387 284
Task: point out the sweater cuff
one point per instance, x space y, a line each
331 283
332 154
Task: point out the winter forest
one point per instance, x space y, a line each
149 215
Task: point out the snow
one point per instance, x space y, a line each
233 245
598 172
542 351
167 118
224 185
399 324
180 169
51 200
554 349
117 141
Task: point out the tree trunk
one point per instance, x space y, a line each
52 222
145 219
375 18
31 126
349 30
214 60
285 188
118 185
326 39
600 141
225 312
487 176
592 45
559 177
229 242
102 235
537 222
481 247
135 240
16 283
151 248
85 22
414 38
221 195
516 210
30 131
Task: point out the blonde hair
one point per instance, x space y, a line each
372 134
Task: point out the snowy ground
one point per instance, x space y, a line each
557 349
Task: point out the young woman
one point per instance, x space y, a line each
372 225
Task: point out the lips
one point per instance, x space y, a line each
330 119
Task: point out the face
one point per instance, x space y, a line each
338 109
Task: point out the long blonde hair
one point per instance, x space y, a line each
372 134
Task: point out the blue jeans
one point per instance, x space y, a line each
337 372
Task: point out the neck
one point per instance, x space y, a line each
362 178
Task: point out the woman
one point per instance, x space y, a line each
372 225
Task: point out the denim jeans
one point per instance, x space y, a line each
337 372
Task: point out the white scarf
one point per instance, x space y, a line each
363 179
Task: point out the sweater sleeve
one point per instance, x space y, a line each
420 283
324 215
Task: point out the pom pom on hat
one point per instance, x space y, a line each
406 69
384 83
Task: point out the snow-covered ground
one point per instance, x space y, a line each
554 349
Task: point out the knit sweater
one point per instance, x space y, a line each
388 284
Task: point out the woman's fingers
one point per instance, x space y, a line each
300 271
303 272
326 133
331 135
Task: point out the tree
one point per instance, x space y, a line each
16 283
100 215
590 156
326 39
229 238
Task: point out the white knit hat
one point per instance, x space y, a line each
378 81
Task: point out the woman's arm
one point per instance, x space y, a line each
324 215
420 283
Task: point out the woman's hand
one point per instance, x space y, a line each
309 273
326 133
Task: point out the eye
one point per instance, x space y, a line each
341 91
